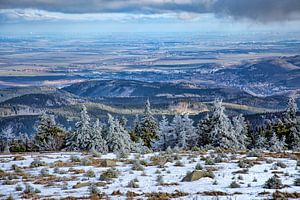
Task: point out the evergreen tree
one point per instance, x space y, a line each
135 134
256 139
80 138
283 143
291 125
240 129
190 131
182 137
148 126
49 136
261 142
275 144
291 111
123 121
24 143
204 131
6 138
98 143
163 135
118 139
223 135
295 134
183 132
177 136
139 147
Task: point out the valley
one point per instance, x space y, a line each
180 74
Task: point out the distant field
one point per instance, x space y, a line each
46 56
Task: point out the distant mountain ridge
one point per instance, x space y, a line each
133 88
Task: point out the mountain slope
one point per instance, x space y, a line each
132 88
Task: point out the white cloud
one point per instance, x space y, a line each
40 15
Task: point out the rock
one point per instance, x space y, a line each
80 185
196 175
107 163
100 184
16 158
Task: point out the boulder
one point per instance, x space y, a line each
107 163
196 175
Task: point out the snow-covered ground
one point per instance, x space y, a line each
15 173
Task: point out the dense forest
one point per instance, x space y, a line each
216 130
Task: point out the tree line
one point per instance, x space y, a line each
216 130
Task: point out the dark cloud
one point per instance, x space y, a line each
258 10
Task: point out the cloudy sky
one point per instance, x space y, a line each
149 15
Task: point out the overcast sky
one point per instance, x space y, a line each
149 15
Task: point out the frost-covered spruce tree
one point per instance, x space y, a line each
190 131
135 133
26 143
139 147
223 135
240 130
182 139
295 134
292 124
123 121
118 139
182 132
98 143
261 142
291 111
283 143
175 131
148 126
275 144
204 131
256 139
80 138
49 136
6 137
163 135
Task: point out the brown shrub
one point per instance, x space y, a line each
132 194
284 195
165 196
117 193
213 193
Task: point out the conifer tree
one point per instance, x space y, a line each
6 137
223 135
123 121
98 143
139 147
295 135
163 135
148 126
177 138
204 131
260 142
291 125
275 144
291 111
118 139
190 131
80 138
240 130
135 133
49 136
183 132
